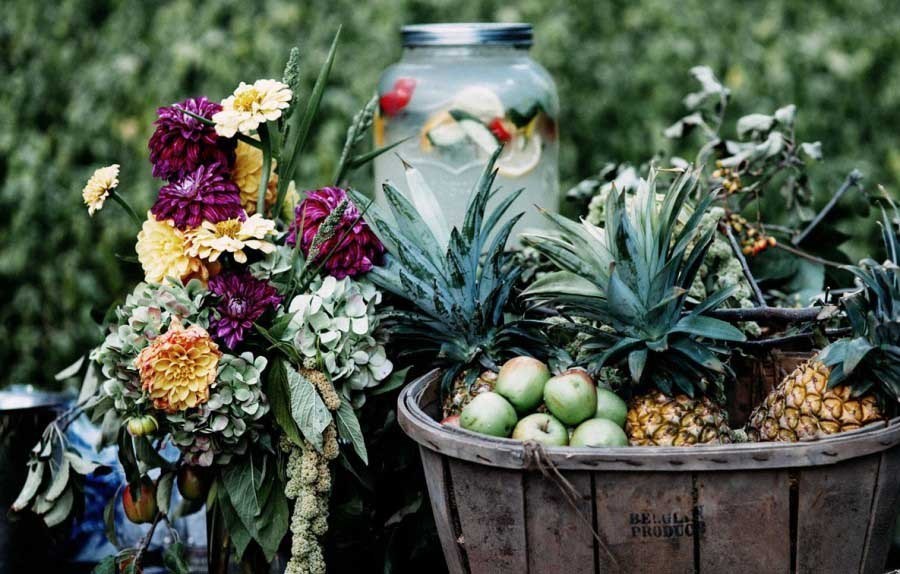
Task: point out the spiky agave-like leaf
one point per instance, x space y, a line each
632 276
871 357
458 295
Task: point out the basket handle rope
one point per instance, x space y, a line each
536 458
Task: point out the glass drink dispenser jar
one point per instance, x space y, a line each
458 92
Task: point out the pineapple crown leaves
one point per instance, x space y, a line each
458 293
871 358
630 279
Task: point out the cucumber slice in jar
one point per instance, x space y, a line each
477 130
446 135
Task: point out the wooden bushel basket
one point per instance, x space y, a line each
819 507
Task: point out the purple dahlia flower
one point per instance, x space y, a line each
359 251
205 194
242 300
181 143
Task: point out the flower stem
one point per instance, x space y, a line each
125 205
266 167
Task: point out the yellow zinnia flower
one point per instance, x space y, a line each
246 174
163 252
211 240
178 367
95 192
251 105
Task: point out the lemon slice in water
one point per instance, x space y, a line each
520 156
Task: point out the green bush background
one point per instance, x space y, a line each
80 80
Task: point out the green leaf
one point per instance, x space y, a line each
127 457
81 465
395 381
813 150
109 518
272 525
808 281
562 282
709 328
106 566
348 428
90 384
32 483
241 481
856 351
307 408
61 509
174 560
279 394
164 491
754 123
186 508
637 360
257 500
60 481
240 535
363 159
147 456
298 126
426 204
71 370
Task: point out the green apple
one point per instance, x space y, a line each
571 396
611 407
598 432
193 482
543 428
521 382
489 414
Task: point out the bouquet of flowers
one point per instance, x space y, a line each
250 345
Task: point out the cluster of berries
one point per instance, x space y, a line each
753 241
730 178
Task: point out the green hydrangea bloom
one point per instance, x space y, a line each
335 327
227 424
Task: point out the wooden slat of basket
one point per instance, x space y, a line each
554 529
747 521
645 519
835 503
439 491
884 511
491 507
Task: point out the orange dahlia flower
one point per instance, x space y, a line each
178 367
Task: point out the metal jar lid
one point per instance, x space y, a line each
474 34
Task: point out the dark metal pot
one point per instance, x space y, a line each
26 544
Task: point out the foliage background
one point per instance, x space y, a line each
81 80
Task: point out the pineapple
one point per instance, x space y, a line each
844 387
453 288
630 281
656 419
